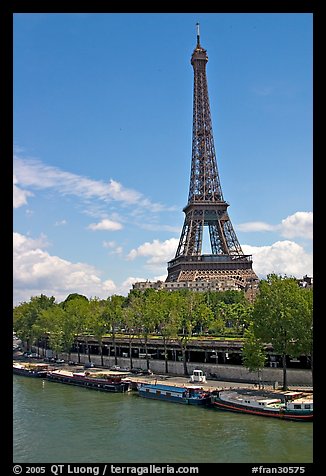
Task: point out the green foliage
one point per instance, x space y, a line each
73 296
282 316
227 297
26 314
253 352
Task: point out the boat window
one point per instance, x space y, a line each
158 392
307 406
297 407
168 394
147 389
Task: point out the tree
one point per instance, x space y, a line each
77 310
166 324
52 321
204 316
216 326
98 322
132 318
304 327
185 315
113 316
280 317
26 314
253 352
238 314
228 297
150 311
73 296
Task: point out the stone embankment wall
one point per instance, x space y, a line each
221 371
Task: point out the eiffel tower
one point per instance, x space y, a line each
227 265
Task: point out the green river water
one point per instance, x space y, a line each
56 423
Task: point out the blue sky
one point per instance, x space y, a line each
102 143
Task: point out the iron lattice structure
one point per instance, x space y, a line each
206 206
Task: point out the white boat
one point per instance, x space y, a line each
288 405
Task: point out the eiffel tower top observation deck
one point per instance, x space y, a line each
206 206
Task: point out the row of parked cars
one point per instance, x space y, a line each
35 355
134 370
53 360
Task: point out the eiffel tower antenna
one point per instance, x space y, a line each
198 34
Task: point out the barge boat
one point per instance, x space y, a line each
107 381
191 395
30 369
295 406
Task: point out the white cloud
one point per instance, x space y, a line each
21 242
158 252
127 283
105 224
19 195
255 226
282 257
60 223
159 227
35 271
124 288
300 225
113 246
118 192
35 174
109 244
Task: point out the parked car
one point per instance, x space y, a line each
115 367
148 372
137 370
60 361
88 365
31 355
49 359
72 362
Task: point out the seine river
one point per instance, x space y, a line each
56 423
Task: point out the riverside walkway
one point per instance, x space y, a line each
167 379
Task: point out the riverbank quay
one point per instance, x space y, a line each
215 371
211 384
135 380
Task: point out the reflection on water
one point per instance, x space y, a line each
63 424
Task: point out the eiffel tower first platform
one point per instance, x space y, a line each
227 267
